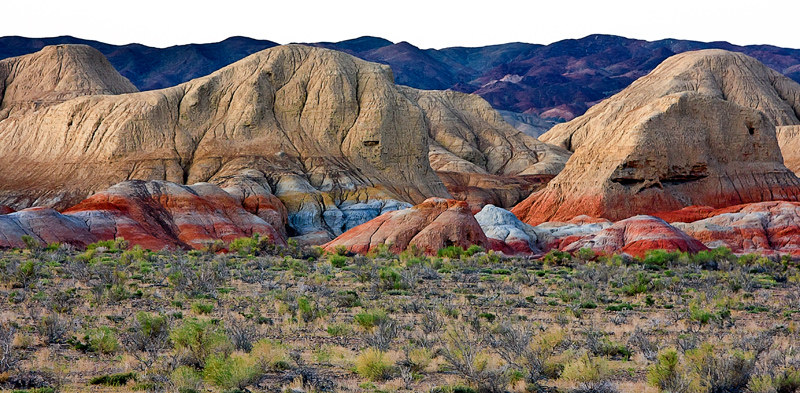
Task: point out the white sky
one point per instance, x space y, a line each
425 23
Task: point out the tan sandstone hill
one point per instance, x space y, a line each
56 74
330 135
698 130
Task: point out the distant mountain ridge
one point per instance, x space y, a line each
558 81
151 68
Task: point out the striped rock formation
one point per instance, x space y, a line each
763 228
330 136
635 236
153 214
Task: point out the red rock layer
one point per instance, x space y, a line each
158 214
687 214
764 228
636 236
5 209
431 225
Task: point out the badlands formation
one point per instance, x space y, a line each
698 130
331 136
314 144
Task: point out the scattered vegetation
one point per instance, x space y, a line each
265 319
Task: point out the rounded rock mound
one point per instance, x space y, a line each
434 224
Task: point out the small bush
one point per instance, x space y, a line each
269 355
700 315
31 243
473 249
370 319
339 329
557 258
53 329
103 340
452 252
337 261
590 372
120 379
235 371
664 373
202 308
720 371
8 356
371 364
148 333
586 254
489 317
419 358
186 380
198 340
453 389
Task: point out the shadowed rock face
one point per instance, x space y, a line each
151 214
699 130
789 141
479 157
429 226
329 135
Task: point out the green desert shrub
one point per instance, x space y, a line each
250 245
473 249
557 258
236 371
337 261
585 254
372 364
453 389
120 379
186 379
452 252
665 373
197 340
659 258
371 318
30 242
590 372
103 340
202 308
243 245
391 279
721 371
270 355
339 329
